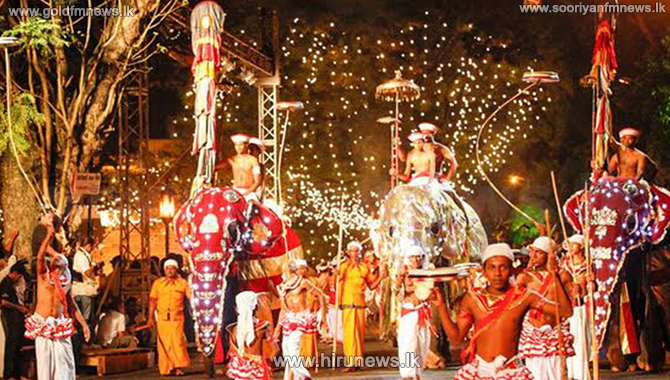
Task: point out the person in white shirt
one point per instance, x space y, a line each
85 284
111 330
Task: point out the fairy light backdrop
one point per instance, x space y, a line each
335 149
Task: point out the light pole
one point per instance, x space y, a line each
167 213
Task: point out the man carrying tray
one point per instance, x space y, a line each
497 313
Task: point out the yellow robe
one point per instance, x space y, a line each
353 281
171 341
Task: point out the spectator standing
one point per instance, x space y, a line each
85 283
13 314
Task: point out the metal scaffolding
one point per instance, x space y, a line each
268 132
133 129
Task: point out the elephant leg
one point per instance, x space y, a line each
208 362
653 353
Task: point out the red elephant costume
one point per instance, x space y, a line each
624 215
219 228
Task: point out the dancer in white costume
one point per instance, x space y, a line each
575 264
414 324
295 319
51 326
540 344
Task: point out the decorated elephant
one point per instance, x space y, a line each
428 216
432 218
627 218
220 231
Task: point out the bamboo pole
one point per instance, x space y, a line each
552 254
340 239
589 273
559 209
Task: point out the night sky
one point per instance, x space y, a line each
560 42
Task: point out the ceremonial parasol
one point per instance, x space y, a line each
397 90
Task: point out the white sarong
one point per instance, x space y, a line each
499 369
413 339
294 325
578 365
53 347
331 322
539 347
252 196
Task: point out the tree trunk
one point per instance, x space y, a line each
19 206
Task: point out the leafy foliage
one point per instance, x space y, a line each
521 229
24 115
41 34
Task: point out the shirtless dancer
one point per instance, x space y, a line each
51 326
247 335
414 324
628 162
442 153
539 342
575 264
296 318
420 165
246 169
496 312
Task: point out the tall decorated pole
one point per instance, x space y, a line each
207 21
602 74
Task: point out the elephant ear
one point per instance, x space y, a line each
265 228
572 210
661 217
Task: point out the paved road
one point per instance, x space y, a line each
373 348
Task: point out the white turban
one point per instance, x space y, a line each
355 244
170 262
414 250
246 304
544 244
577 238
498 249
239 138
629 132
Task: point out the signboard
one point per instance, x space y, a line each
87 183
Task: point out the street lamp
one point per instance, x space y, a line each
515 180
167 213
